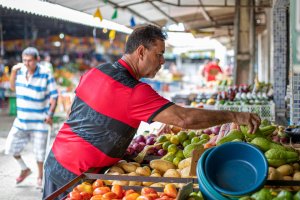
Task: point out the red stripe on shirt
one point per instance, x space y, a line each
76 154
106 95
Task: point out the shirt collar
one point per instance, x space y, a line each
36 71
124 64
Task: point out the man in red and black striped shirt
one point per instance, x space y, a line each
109 105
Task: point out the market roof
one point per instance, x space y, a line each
214 18
45 9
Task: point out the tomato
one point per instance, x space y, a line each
170 190
127 192
97 197
85 195
101 190
75 196
118 190
97 183
109 196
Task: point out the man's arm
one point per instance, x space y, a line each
13 76
193 118
53 103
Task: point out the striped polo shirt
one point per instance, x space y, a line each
33 98
109 105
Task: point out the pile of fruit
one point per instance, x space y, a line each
99 191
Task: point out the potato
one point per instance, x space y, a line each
128 167
143 171
275 175
150 183
185 163
185 172
156 171
135 163
287 178
296 177
161 165
157 185
120 162
172 173
116 169
117 182
134 183
285 170
296 166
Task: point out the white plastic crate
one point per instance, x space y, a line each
264 111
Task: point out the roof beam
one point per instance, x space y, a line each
204 12
225 4
162 12
132 11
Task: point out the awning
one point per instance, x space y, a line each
59 12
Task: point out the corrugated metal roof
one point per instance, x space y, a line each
60 12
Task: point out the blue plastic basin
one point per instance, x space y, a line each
208 192
236 169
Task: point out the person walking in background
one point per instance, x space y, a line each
211 70
36 96
110 104
46 61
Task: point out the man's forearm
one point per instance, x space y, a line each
53 103
200 118
12 80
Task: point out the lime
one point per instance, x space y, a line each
179 153
174 139
169 157
176 160
186 142
193 194
166 145
200 194
195 140
182 135
195 198
191 134
172 148
204 136
162 138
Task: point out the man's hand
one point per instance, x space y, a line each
250 119
17 67
49 120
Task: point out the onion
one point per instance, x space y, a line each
215 130
140 138
150 141
162 152
158 147
151 135
135 146
276 138
207 131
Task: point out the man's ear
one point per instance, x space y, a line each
140 51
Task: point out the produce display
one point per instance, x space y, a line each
99 191
172 157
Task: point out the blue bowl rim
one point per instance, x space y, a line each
252 189
202 178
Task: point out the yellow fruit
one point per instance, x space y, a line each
182 136
174 140
195 140
172 148
176 160
166 145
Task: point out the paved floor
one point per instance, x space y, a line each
9 168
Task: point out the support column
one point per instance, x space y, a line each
280 54
295 62
244 42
